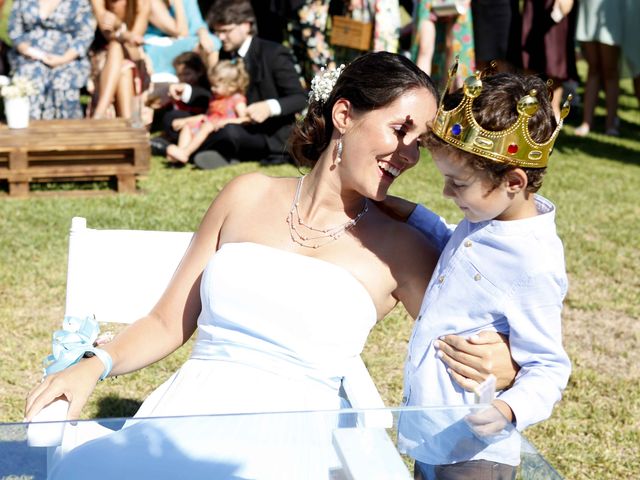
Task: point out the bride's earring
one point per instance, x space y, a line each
339 151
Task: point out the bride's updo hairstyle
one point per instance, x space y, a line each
371 81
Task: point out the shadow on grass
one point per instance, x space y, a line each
116 407
618 149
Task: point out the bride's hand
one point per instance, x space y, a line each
397 208
75 383
471 360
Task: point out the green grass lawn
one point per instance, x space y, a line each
594 431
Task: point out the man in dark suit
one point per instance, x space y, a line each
274 95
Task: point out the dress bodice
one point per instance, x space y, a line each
275 334
281 310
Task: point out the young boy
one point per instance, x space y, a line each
502 268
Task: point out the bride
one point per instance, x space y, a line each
283 281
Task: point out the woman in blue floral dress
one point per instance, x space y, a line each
50 42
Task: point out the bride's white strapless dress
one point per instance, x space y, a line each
276 332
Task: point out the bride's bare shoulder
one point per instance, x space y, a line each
250 182
248 194
250 187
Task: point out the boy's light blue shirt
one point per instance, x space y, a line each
506 276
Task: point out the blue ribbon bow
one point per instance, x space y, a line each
71 343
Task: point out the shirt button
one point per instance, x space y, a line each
477 277
419 318
404 399
441 279
468 243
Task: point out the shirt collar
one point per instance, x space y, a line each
544 219
242 51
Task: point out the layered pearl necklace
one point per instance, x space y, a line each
317 237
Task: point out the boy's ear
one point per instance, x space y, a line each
341 114
516 180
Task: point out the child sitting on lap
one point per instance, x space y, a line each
229 81
502 268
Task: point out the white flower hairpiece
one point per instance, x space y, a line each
323 83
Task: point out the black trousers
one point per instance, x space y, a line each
470 470
238 142
232 141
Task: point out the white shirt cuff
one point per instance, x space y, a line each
274 107
186 93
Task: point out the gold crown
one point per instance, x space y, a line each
458 127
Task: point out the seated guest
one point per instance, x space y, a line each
118 64
5 9
274 94
166 97
191 69
177 26
228 105
50 43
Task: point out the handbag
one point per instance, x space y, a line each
350 33
448 8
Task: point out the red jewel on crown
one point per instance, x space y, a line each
512 149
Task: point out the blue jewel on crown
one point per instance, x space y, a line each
456 129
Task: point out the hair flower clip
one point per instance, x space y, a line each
323 83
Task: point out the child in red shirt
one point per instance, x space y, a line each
229 80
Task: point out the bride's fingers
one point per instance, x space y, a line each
35 393
461 344
467 364
39 402
463 352
465 382
75 406
461 369
487 337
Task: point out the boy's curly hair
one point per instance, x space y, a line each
495 109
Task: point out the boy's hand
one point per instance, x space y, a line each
397 208
490 421
176 90
471 360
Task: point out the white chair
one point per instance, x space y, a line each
118 275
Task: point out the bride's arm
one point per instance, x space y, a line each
169 325
470 360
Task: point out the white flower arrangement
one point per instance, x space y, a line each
323 83
17 87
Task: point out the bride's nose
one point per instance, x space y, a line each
409 153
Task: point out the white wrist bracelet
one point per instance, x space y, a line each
105 358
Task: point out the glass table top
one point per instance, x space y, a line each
338 445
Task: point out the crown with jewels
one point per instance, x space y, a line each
458 127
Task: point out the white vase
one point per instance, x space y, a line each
17 112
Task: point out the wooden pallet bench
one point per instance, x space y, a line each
73 150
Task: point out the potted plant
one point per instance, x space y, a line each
16 93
